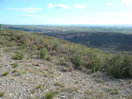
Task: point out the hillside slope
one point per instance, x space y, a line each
108 41
42 67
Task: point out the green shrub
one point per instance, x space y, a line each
49 57
77 60
44 53
5 73
120 66
50 95
114 91
15 65
23 46
39 86
1 66
2 94
18 56
60 84
34 47
63 61
14 71
19 73
96 62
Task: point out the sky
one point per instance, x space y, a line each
41 12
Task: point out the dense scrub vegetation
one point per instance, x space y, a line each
108 41
81 57
120 66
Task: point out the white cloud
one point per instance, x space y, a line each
30 16
63 6
59 6
27 10
80 6
109 4
50 5
127 2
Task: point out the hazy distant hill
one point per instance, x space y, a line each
64 29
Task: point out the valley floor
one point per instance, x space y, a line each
35 78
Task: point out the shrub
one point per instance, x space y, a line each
50 95
77 60
60 84
63 61
5 73
44 53
1 66
15 65
114 91
14 71
96 62
19 73
39 86
49 57
98 80
34 47
2 94
120 66
18 56
23 46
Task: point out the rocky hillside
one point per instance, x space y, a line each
41 67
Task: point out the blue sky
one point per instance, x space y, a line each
66 11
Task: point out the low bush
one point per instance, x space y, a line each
2 94
96 62
5 73
50 95
49 57
114 91
44 53
39 86
77 60
120 66
14 71
15 65
63 61
1 66
23 46
18 56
